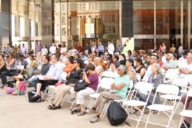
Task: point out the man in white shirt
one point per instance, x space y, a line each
153 60
183 59
170 63
110 48
186 69
53 48
23 49
180 50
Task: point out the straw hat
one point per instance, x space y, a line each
19 77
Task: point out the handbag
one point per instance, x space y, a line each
80 85
59 83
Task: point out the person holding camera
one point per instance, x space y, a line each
11 69
92 80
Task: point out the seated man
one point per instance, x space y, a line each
170 63
98 68
116 61
183 59
45 68
23 61
186 69
51 78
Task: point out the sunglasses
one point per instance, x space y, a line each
74 62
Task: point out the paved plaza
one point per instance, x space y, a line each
17 112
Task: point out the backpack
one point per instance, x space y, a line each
116 114
31 98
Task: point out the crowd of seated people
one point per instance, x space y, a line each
57 65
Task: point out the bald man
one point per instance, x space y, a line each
170 63
98 68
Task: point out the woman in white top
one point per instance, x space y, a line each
63 49
110 65
44 51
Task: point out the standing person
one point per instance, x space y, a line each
73 51
119 48
164 47
39 47
110 48
79 48
180 50
100 49
63 49
23 49
88 48
8 49
44 50
93 47
52 49
172 49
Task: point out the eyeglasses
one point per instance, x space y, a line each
74 62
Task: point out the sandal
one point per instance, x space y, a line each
56 107
81 113
50 106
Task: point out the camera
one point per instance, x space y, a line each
85 69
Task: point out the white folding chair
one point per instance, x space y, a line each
180 82
51 92
145 87
170 75
106 74
186 113
166 109
138 77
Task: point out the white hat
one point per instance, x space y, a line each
106 53
19 76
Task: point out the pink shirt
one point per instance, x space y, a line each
23 86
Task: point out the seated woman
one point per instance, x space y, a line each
92 80
187 120
131 71
110 65
63 58
156 78
140 68
72 78
11 69
2 63
32 66
67 69
119 91
122 59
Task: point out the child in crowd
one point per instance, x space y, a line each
19 87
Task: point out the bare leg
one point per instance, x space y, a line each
38 88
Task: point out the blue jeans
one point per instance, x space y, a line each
33 80
7 73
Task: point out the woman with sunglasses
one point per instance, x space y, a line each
72 78
110 65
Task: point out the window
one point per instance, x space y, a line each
63 7
96 6
113 17
63 32
63 20
84 7
90 6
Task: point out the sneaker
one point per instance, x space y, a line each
89 110
95 119
186 123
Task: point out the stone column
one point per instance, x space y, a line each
5 26
47 21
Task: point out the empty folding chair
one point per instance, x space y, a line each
168 110
143 87
170 75
186 113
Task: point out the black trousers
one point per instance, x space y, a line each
45 83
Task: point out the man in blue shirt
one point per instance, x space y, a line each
101 49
